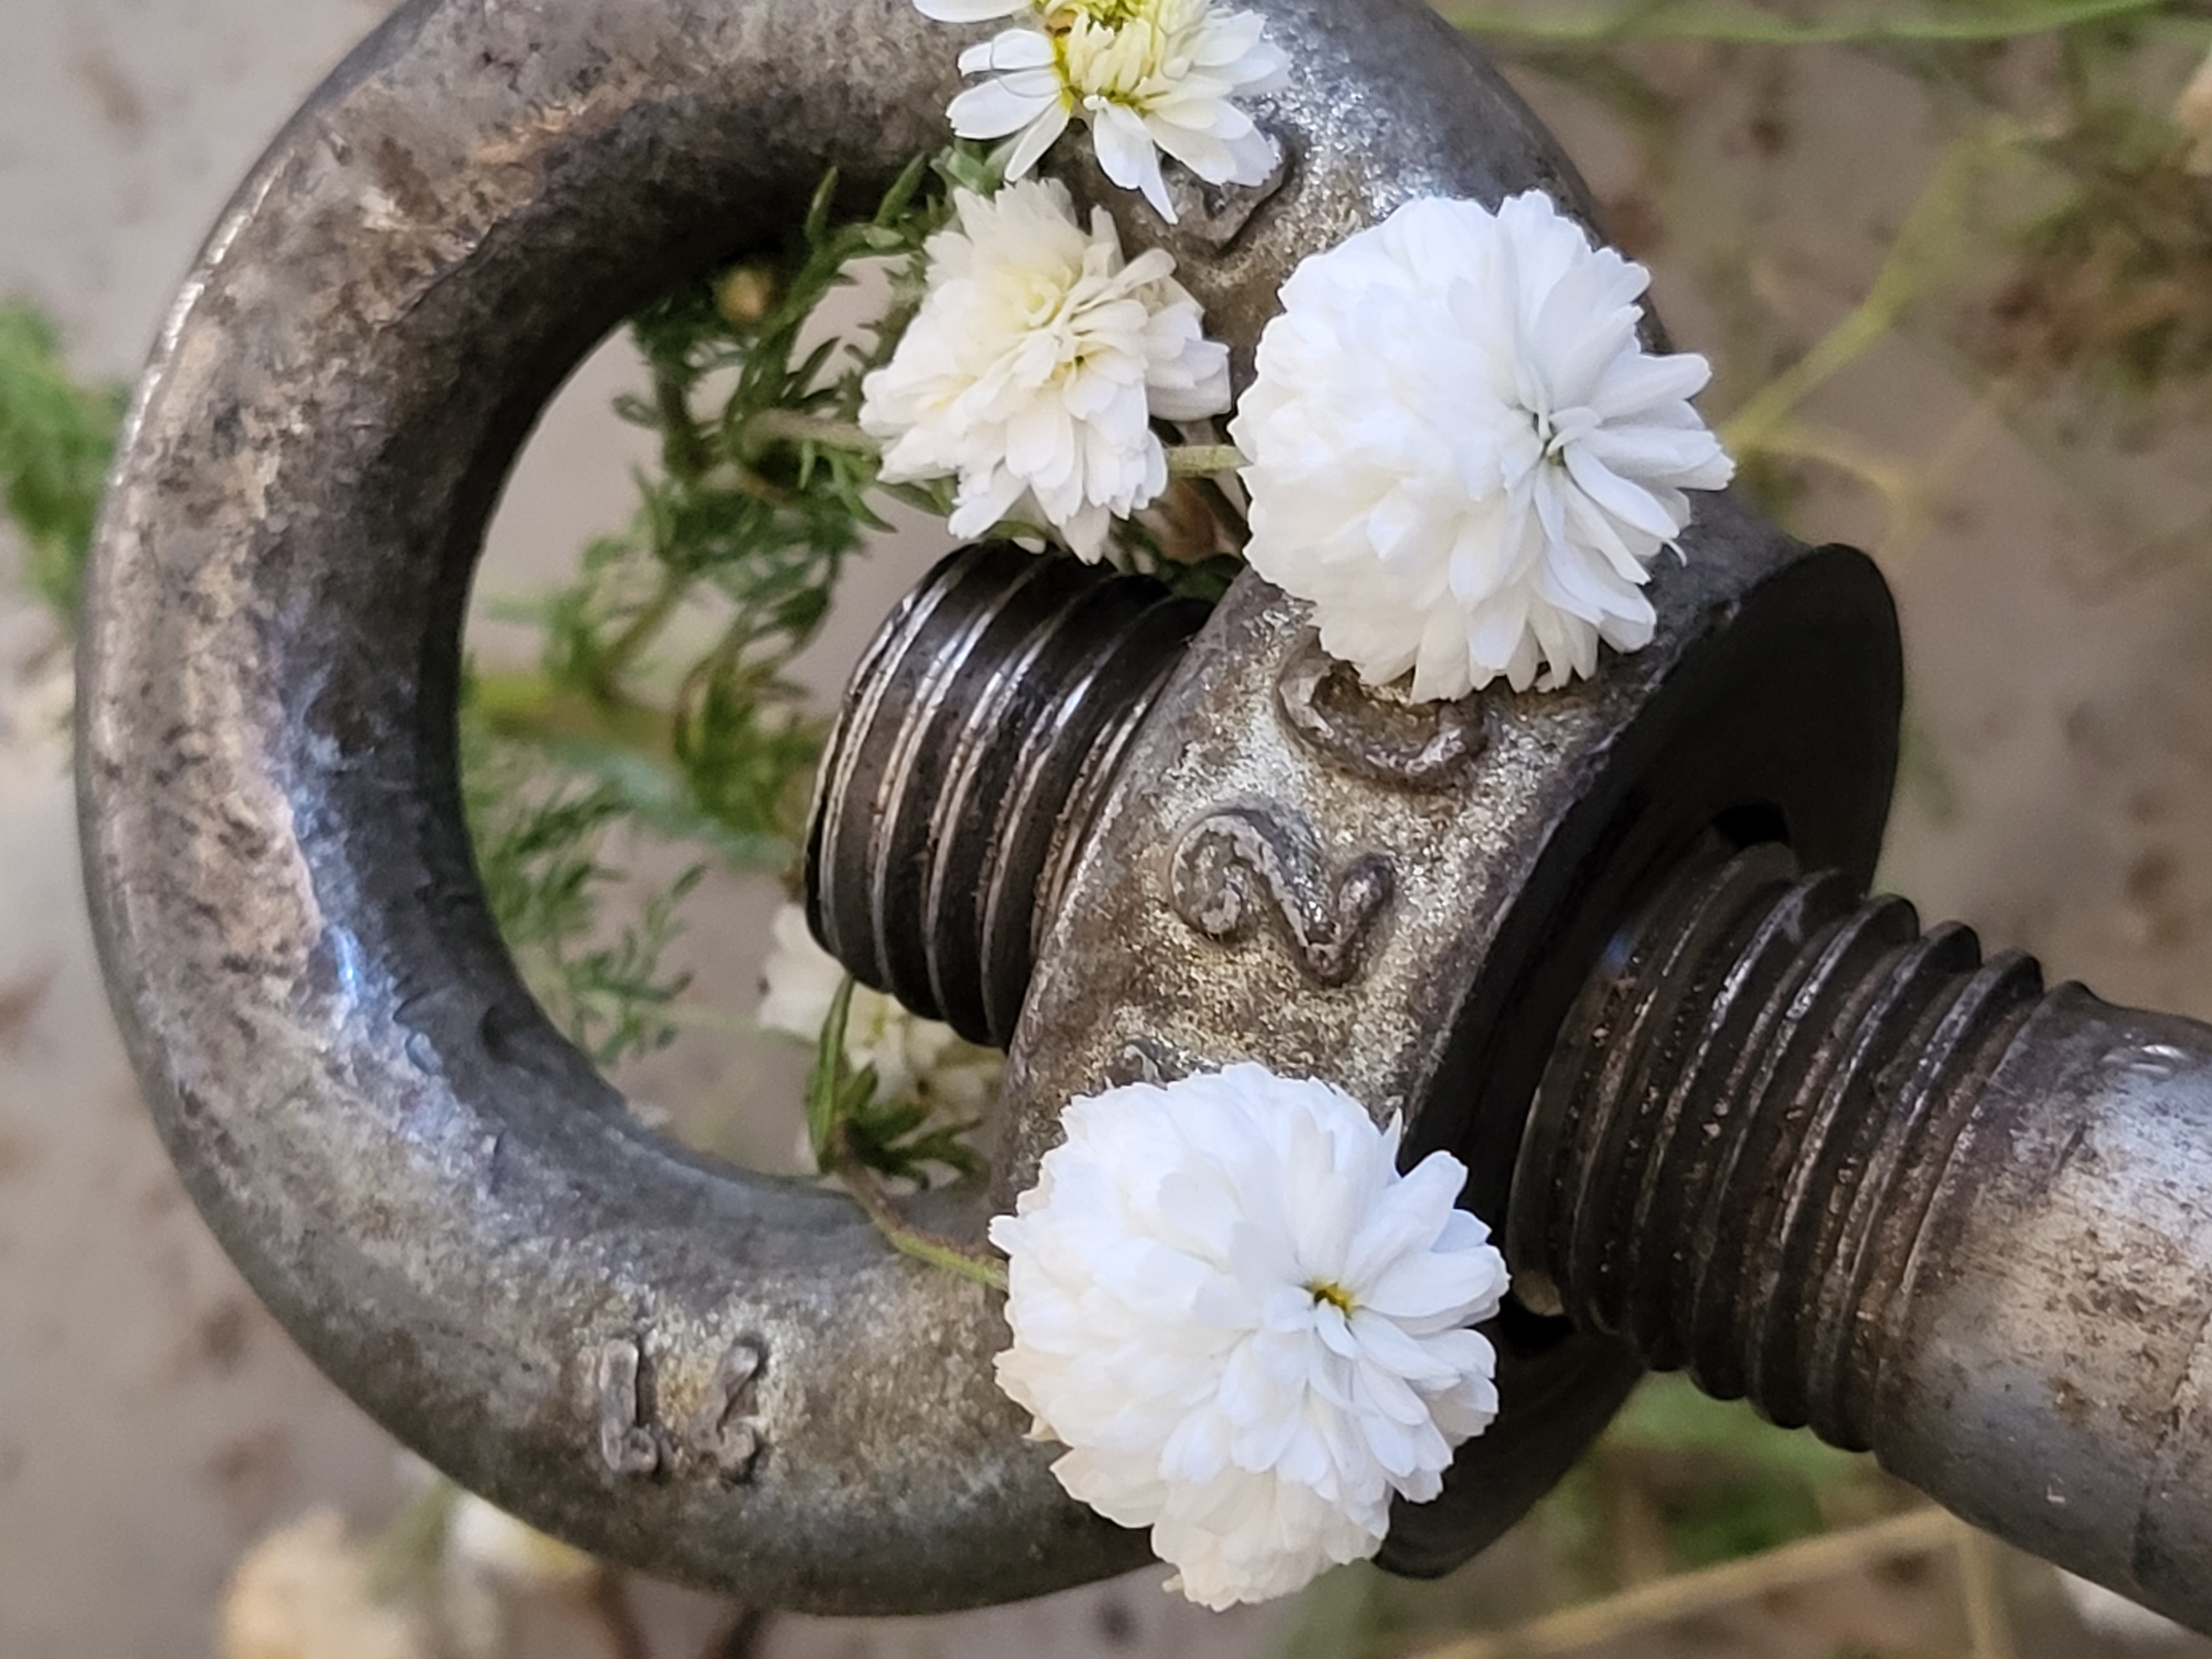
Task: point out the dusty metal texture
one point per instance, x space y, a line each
1847 1169
709 1374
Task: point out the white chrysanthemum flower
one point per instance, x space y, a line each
1461 454
1147 76
1247 1327
914 1057
1036 364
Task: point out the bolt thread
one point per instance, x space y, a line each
974 745
1745 1121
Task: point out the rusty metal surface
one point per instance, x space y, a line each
712 1376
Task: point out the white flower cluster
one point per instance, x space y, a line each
1036 364
1147 75
1461 453
915 1059
1248 1328
1250 1331
1041 357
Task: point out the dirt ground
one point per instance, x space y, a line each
152 1420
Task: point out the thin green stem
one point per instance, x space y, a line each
1639 1611
403 1556
608 1596
1225 509
536 708
1203 460
1921 248
868 1191
637 634
789 426
685 450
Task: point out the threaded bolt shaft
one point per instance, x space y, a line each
976 742
1742 1123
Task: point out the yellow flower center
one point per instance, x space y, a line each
1334 1294
1122 52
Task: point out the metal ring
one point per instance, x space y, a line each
717 1377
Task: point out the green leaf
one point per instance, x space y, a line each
830 1086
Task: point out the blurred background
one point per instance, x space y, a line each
1953 261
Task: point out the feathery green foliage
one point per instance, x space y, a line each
661 701
741 537
57 436
540 840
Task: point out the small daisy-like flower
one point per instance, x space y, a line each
1461 455
914 1057
1147 76
1036 364
1247 1327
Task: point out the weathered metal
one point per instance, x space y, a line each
1278 865
961 781
732 1380
1909 1198
436 1195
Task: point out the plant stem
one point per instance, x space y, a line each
740 1638
1988 1631
683 449
405 1555
1909 268
1921 1532
1202 460
536 708
868 1191
636 634
1225 509
789 426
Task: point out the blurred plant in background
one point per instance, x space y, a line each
55 439
2057 262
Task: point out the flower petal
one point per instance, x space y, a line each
1260 1426
1467 460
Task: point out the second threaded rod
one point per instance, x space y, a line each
1743 1119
